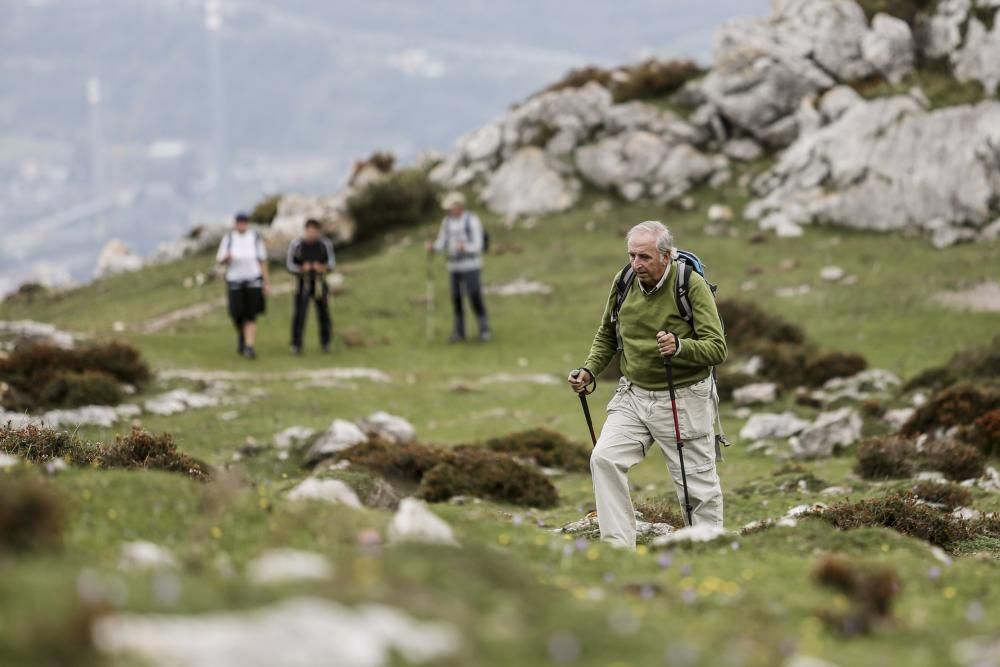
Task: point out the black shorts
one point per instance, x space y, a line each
246 301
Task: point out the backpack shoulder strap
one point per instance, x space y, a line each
684 270
622 286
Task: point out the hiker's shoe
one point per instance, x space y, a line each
241 346
485 336
326 348
250 353
455 338
296 350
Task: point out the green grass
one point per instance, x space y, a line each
514 585
937 82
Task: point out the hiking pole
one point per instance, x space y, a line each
429 298
668 362
586 410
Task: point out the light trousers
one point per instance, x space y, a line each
636 418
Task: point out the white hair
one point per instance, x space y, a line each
664 239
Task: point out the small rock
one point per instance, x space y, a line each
831 273
831 430
720 213
388 427
413 522
341 435
966 514
898 416
329 490
8 460
836 491
144 556
795 290
756 393
766 426
701 533
284 565
292 436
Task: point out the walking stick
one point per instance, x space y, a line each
586 410
668 362
429 298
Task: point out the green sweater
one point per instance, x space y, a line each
642 316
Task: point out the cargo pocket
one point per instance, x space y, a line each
695 410
616 400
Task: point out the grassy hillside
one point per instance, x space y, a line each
515 589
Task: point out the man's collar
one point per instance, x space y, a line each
663 279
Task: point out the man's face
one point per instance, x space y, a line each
242 226
646 261
456 211
312 233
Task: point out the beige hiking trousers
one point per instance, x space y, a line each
636 418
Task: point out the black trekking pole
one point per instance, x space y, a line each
668 362
586 410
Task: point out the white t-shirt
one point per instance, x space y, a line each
247 251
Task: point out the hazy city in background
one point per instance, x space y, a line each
137 119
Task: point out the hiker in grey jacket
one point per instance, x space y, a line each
462 239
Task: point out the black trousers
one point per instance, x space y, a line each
468 282
312 289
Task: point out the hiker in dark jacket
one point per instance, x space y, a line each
462 239
243 254
649 326
310 258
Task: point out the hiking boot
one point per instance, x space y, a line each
241 345
326 348
485 336
456 338
250 353
296 350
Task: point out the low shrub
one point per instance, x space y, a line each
978 363
32 516
833 365
730 381
886 457
266 210
984 433
870 590
943 493
661 511
957 460
70 389
41 375
959 405
464 471
488 475
138 450
146 451
41 445
902 513
547 448
402 199
747 323
404 462
907 10
649 79
783 363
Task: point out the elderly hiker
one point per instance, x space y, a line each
463 240
309 259
648 326
243 253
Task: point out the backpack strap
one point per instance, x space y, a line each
624 283
682 296
467 219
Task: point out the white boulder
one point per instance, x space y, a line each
116 258
414 522
280 566
831 430
328 490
